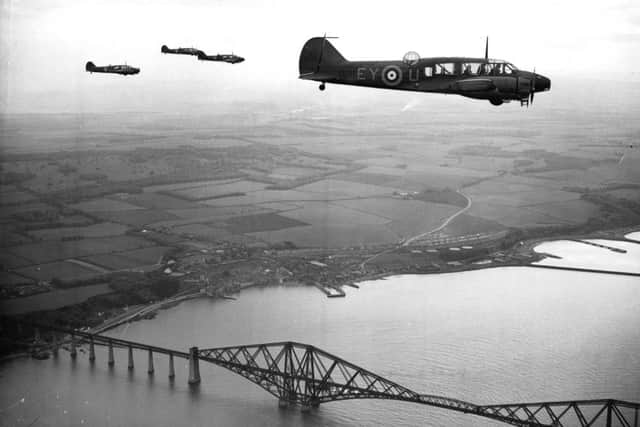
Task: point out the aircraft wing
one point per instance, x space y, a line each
474 85
323 77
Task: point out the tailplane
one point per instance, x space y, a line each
316 53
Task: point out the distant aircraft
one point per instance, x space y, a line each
232 59
480 78
181 50
125 70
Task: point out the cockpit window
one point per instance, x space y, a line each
509 68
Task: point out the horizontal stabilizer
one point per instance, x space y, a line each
321 77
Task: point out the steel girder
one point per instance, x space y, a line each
583 413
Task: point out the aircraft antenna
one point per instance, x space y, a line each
486 49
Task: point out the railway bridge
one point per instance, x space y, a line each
304 375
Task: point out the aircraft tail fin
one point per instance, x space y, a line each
164 48
90 66
316 53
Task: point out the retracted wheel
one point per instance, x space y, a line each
322 86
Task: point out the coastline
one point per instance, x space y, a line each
149 309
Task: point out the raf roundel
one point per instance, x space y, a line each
391 75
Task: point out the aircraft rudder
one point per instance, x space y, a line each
89 66
164 48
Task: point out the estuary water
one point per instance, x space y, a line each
488 336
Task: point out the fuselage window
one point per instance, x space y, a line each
428 71
446 69
485 69
470 68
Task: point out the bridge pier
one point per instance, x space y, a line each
150 369
283 403
54 345
92 351
172 372
73 352
111 359
194 366
130 365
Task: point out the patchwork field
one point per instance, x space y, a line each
262 222
104 205
48 251
135 218
65 271
103 229
220 190
329 235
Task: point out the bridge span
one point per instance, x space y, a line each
305 375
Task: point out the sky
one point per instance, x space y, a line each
46 43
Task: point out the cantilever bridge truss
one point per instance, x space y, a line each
305 375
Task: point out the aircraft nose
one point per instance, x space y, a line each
542 83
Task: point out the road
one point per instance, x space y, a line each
421 235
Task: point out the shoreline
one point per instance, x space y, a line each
150 309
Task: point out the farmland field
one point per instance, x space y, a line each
213 191
205 214
63 270
186 185
15 197
112 261
262 222
159 201
102 229
104 205
202 232
49 251
330 235
9 279
317 213
136 218
53 300
150 255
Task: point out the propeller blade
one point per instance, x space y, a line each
532 89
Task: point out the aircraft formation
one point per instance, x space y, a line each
494 80
127 70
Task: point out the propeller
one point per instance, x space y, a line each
532 89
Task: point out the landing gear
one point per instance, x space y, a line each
496 101
322 86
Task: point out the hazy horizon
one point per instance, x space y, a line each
46 44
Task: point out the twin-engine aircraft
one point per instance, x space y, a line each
231 59
181 50
202 56
480 78
125 70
